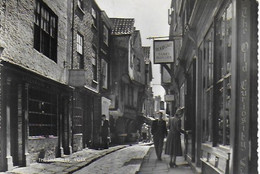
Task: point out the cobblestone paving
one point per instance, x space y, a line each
66 164
126 161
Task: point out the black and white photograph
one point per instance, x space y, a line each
129 87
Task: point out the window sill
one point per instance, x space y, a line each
95 27
42 137
78 134
219 151
105 87
224 77
94 81
81 10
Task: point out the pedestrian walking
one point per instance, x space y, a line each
159 132
104 132
173 142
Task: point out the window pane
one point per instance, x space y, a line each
94 63
223 59
80 3
94 13
45 31
42 113
79 44
104 73
105 35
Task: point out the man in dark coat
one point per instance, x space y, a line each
159 131
104 132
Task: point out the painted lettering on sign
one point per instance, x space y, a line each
163 51
244 57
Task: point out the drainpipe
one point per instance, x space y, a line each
73 92
72 31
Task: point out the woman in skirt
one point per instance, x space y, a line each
173 143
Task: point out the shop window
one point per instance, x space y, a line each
130 96
78 120
216 53
126 95
104 73
122 91
223 75
182 100
78 114
207 51
138 65
42 113
80 51
45 30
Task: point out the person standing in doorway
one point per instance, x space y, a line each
159 132
104 132
144 132
173 142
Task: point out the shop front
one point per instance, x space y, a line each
35 114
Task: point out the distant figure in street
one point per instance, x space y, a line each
137 136
173 143
159 132
104 132
144 132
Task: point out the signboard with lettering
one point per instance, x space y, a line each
163 51
243 114
168 98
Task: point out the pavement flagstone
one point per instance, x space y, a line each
151 165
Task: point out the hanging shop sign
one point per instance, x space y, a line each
168 98
163 51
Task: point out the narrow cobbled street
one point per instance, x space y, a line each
129 86
127 161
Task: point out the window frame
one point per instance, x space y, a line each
80 4
217 99
80 50
42 113
94 63
94 17
138 64
45 30
105 34
104 73
222 81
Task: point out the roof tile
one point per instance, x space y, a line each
122 26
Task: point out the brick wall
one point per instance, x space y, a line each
77 142
17 33
45 148
83 24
